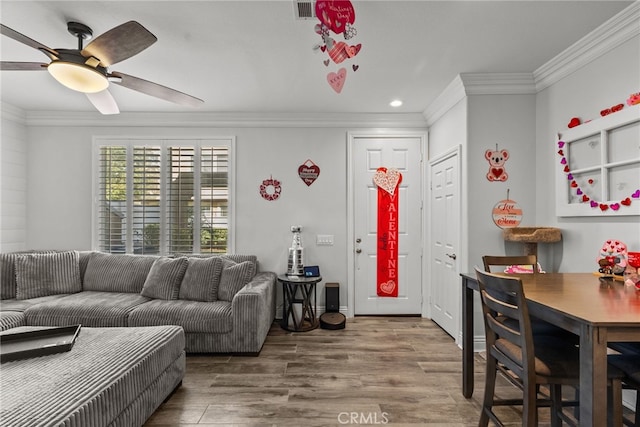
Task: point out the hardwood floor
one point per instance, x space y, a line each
400 371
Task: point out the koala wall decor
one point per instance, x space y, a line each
497 159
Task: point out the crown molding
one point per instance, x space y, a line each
450 96
498 83
465 84
611 34
15 114
226 120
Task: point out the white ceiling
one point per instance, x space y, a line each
254 56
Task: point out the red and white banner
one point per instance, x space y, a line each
387 255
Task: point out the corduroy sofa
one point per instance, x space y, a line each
223 303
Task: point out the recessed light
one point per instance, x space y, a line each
395 103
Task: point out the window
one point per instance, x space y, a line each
163 196
599 167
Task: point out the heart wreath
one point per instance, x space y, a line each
583 197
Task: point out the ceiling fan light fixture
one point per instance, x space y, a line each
78 77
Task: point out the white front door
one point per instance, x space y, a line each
444 209
367 154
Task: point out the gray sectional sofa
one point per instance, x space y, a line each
223 303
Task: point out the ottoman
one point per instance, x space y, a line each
111 377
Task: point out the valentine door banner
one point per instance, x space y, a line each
387 181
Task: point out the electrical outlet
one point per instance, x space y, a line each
324 239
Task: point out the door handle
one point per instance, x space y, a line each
452 256
358 250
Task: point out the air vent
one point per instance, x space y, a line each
305 9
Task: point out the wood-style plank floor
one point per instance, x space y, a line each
400 371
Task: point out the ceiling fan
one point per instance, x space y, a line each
85 69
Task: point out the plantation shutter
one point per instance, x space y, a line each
146 200
112 198
165 198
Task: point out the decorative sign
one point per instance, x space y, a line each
337 16
387 255
497 159
270 189
507 214
308 172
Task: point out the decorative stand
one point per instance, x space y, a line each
299 305
531 236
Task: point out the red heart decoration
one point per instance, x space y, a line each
574 122
323 48
574 184
496 172
308 172
338 52
626 202
603 207
590 181
566 169
585 198
353 50
561 152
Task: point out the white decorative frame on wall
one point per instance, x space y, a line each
602 159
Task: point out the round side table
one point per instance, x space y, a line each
299 291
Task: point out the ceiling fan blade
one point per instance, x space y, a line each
23 66
119 43
104 102
155 89
13 34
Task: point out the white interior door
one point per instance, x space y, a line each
404 153
444 205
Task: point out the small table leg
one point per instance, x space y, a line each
467 339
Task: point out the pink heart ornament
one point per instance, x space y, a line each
336 80
388 180
615 206
594 204
636 195
388 287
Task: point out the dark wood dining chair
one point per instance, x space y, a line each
544 360
629 364
491 261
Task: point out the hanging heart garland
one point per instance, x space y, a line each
337 17
603 206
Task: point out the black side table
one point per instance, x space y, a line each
299 290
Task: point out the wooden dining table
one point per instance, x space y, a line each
598 310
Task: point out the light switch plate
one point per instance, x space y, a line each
324 239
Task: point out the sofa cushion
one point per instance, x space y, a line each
201 280
11 319
8 272
89 308
117 272
194 316
165 276
233 278
42 274
23 304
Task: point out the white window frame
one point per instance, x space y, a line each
163 142
598 129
